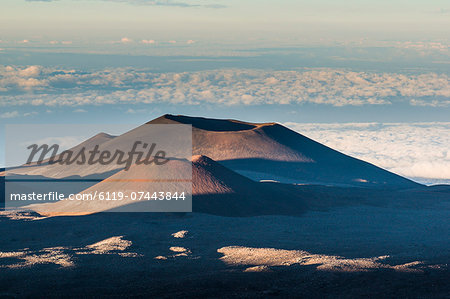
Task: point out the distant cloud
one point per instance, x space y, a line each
148 41
14 114
415 150
55 42
431 103
123 40
37 85
424 46
126 40
157 3
30 113
10 114
189 42
134 111
80 111
31 71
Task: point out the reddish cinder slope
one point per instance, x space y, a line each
215 189
274 152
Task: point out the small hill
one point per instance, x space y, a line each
215 190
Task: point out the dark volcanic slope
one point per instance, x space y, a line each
272 151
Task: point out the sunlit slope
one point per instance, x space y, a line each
274 152
215 190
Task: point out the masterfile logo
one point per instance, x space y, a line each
95 156
146 169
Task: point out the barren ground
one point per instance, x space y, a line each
364 251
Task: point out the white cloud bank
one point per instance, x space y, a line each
418 150
39 85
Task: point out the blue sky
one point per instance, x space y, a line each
128 61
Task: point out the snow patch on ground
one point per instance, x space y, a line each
21 215
27 258
263 258
178 251
109 246
258 269
63 256
181 234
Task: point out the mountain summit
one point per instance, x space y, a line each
270 151
259 151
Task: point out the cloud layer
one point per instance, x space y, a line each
37 85
417 150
